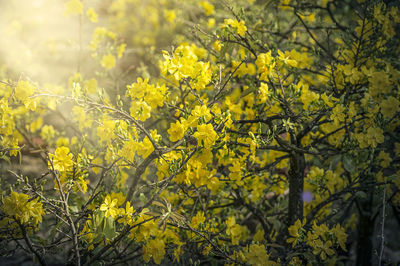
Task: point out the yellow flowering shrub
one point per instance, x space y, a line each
199 132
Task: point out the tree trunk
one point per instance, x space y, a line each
365 230
296 184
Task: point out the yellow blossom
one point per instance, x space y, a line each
169 15
176 131
323 248
207 7
73 7
197 220
384 159
238 25
154 248
140 110
108 61
206 135
92 15
295 232
389 107
109 207
257 256
19 206
61 160
340 235
217 45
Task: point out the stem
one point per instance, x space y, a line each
70 221
383 227
365 229
29 244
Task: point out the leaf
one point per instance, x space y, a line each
157 203
73 208
334 162
109 228
97 219
361 195
5 158
53 231
348 163
275 245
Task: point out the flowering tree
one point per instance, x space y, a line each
266 136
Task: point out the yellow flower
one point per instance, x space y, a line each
207 250
84 119
320 230
197 220
106 131
36 125
238 25
169 15
234 230
294 231
264 92
176 131
384 159
284 5
108 61
259 235
140 110
217 45
389 107
211 23
145 148
20 207
92 15
62 142
201 112
338 114
257 255
208 8
119 196
341 236
127 214
61 160
47 132
206 135
23 90
323 249
81 184
286 59
155 248
109 206
128 151
309 18
137 89
265 65
375 136
73 7
121 49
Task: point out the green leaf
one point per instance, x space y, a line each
361 195
109 228
73 208
348 163
334 162
5 158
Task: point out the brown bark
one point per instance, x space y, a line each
365 229
296 185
